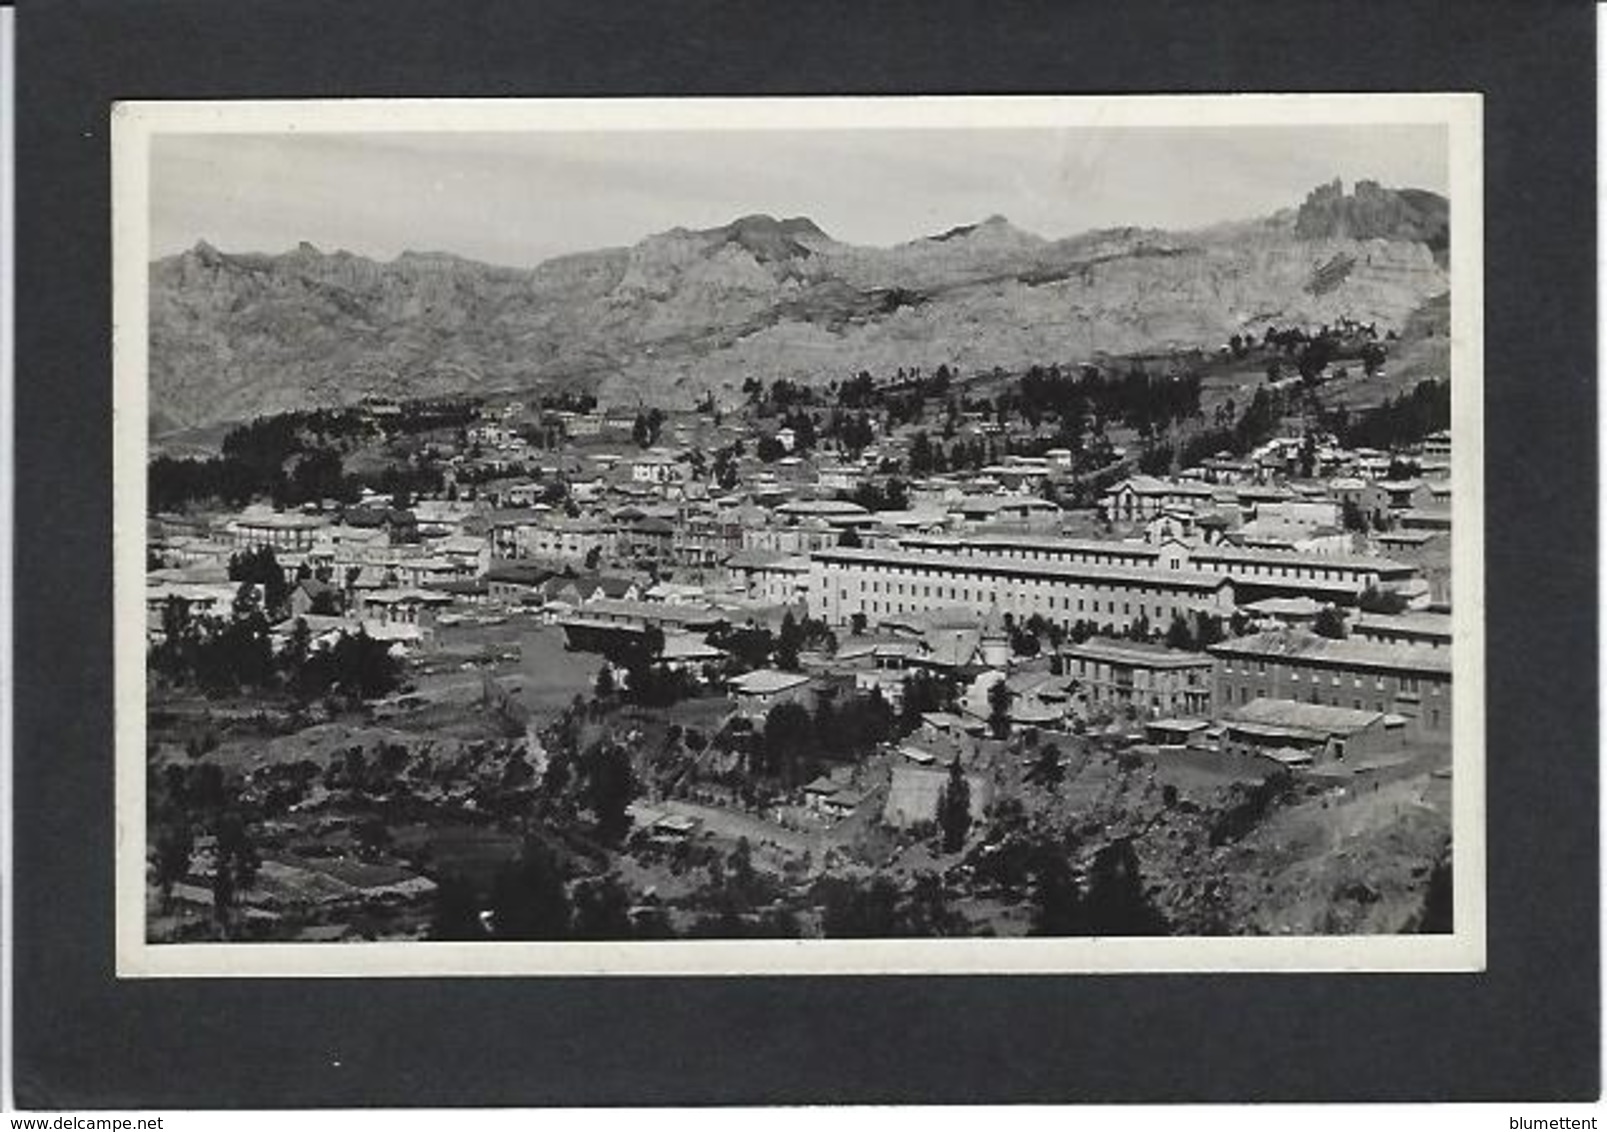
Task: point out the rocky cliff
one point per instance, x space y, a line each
688 311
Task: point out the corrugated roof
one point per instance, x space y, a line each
1303 645
1265 715
764 681
1071 571
1286 558
1135 653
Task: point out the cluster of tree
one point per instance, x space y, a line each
1111 900
925 691
536 897
862 392
316 475
647 428
1141 399
259 566
634 672
226 656
568 401
186 803
880 909
295 458
406 482
353 770
794 740
852 431
723 470
780 396
599 778
1312 350
1045 769
1375 600
1398 422
889 495
1248 806
1194 634
928 456
739 901
804 431
220 655
797 635
1230 432
1330 623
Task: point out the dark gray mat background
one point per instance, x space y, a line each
1526 1029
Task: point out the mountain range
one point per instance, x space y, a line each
691 311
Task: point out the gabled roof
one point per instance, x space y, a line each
765 681
1267 715
1302 644
1152 485
1135 653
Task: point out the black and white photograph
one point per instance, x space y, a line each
806 535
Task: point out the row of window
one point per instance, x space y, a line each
1080 557
1408 685
1298 573
1051 605
903 589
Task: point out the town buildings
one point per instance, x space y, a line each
1410 681
846 582
1158 681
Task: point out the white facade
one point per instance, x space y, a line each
877 584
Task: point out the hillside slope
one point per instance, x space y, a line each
689 311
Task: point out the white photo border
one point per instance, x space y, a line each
136 123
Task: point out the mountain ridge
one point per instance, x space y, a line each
686 312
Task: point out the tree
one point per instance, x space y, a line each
234 866
1372 358
789 736
609 785
293 657
1375 600
999 699
954 809
926 912
1116 904
1330 623
789 643
855 911
604 688
1056 899
528 900
1046 769
1436 915
260 567
373 837
645 429
172 848
456 914
601 910
1178 635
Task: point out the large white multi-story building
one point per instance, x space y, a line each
879 583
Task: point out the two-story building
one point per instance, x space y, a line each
1408 680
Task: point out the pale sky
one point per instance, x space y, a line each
518 199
